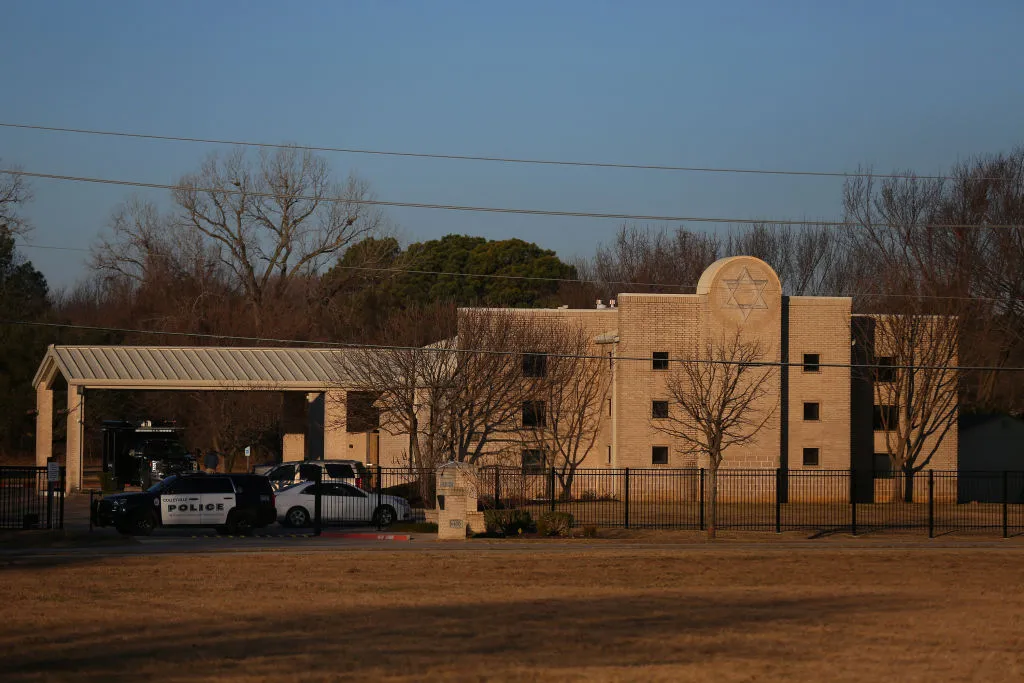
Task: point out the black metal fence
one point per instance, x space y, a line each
29 500
938 501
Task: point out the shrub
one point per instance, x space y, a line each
554 524
589 495
508 522
590 531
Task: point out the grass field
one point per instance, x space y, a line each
700 614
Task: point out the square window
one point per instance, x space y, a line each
535 365
812 362
812 411
659 455
882 466
885 418
659 361
884 372
811 457
533 414
533 461
659 409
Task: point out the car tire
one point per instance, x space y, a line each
240 523
124 529
384 516
143 524
297 517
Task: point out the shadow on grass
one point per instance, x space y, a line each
484 638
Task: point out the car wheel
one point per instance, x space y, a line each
124 529
144 524
239 524
297 517
384 516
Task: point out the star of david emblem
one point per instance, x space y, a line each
745 294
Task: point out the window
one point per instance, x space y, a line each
361 412
882 466
659 361
339 471
885 418
282 473
812 411
535 365
185 486
659 455
659 409
533 414
309 472
811 457
812 362
533 461
216 485
349 491
609 455
885 372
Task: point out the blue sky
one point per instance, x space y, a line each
803 85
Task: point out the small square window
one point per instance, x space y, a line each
812 411
885 418
882 466
884 370
659 409
659 361
533 414
535 365
659 455
812 362
533 461
811 457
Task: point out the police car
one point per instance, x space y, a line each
231 503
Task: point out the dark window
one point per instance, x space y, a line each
659 455
811 457
885 372
216 485
533 461
349 491
812 362
885 418
535 365
659 361
283 473
812 411
883 466
533 414
308 472
184 486
659 409
339 471
361 415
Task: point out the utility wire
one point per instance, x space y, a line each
480 209
437 348
468 157
499 276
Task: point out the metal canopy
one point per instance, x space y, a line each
193 368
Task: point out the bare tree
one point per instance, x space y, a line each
916 388
807 259
14 194
720 399
570 390
658 260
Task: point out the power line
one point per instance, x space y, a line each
442 349
483 209
468 157
499 276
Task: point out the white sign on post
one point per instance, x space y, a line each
248 450
53 471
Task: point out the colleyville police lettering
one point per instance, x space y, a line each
194 507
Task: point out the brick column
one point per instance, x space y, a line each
44 424
73 451
294 443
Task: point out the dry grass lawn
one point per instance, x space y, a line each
814 614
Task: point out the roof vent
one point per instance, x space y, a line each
600 304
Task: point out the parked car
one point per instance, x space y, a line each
288 473
339 502
230 503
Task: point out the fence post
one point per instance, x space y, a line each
317 503
379 527
497 487
1006 499
701 502
551 486
626 497
91 492
853 502
931 503
63 490
49 503
778 500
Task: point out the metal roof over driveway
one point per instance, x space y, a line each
193 367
